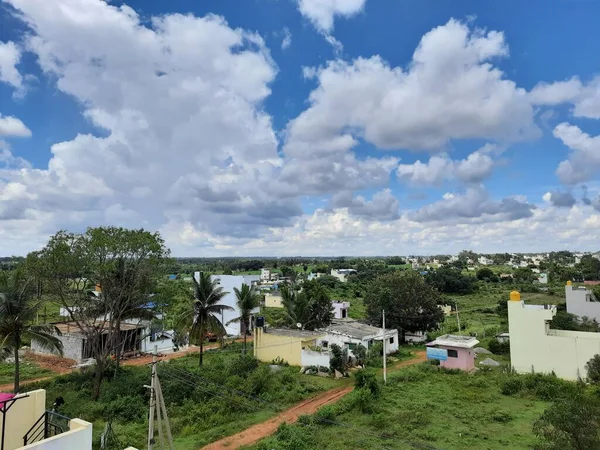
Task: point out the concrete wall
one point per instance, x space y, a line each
79 437
465 359
21 416
343 340
268 347
163 345
579 302
312 358
273 301
534 347
72 346
340 309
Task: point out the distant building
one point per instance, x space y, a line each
313 276
534 347
273 300
265 274
485 261
582 302
342 274
453 352
340 309
543 278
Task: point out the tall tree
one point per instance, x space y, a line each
122 263
202 318
409 302
247 299
311 308
18 311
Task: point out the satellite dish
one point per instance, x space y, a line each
299 325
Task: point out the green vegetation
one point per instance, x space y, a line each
226 395
422 405
28 371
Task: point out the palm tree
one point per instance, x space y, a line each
202 316
246 300
296 306
18 311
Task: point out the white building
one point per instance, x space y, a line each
228 283
265 274
582 302
340 309
534 347
348 333
342 274
485 261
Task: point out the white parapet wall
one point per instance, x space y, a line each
79 437
534 347
581 302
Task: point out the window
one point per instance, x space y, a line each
391 340
324 344
452 354
371 343
351 346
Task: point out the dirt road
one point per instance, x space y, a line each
310 406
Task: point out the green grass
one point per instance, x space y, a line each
422 405
204 404
29 371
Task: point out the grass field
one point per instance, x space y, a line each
204 404
422 406
29 371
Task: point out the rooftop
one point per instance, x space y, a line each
294 333
73 328
353 328
453 340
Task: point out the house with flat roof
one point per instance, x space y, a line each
453 351
535 347
296 347
348 333
342 274
340 309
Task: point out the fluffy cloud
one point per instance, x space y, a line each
383 205
474 169
450 90
185 136
585 97
473 205
322 13
584 161
560 199
12 127
10 56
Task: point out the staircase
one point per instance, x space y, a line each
49 424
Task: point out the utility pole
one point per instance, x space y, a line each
152 401
384 352
457 317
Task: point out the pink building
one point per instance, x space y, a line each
453 352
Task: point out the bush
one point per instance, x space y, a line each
593 369
363 400
360 352
501 416
367 380
337 360
512 386
499 348
325 415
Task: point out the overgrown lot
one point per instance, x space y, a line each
425 407
226 395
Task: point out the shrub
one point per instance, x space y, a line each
363 400
360 352
128 408
499 348
593 369
501 416
243 366
325 415
367 380
512 386
337 360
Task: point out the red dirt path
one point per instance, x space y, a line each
261 430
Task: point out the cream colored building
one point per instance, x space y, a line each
296 347
27 420
534 347
273 300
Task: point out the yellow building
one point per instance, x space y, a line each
273 300
292 346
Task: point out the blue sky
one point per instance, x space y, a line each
302 127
